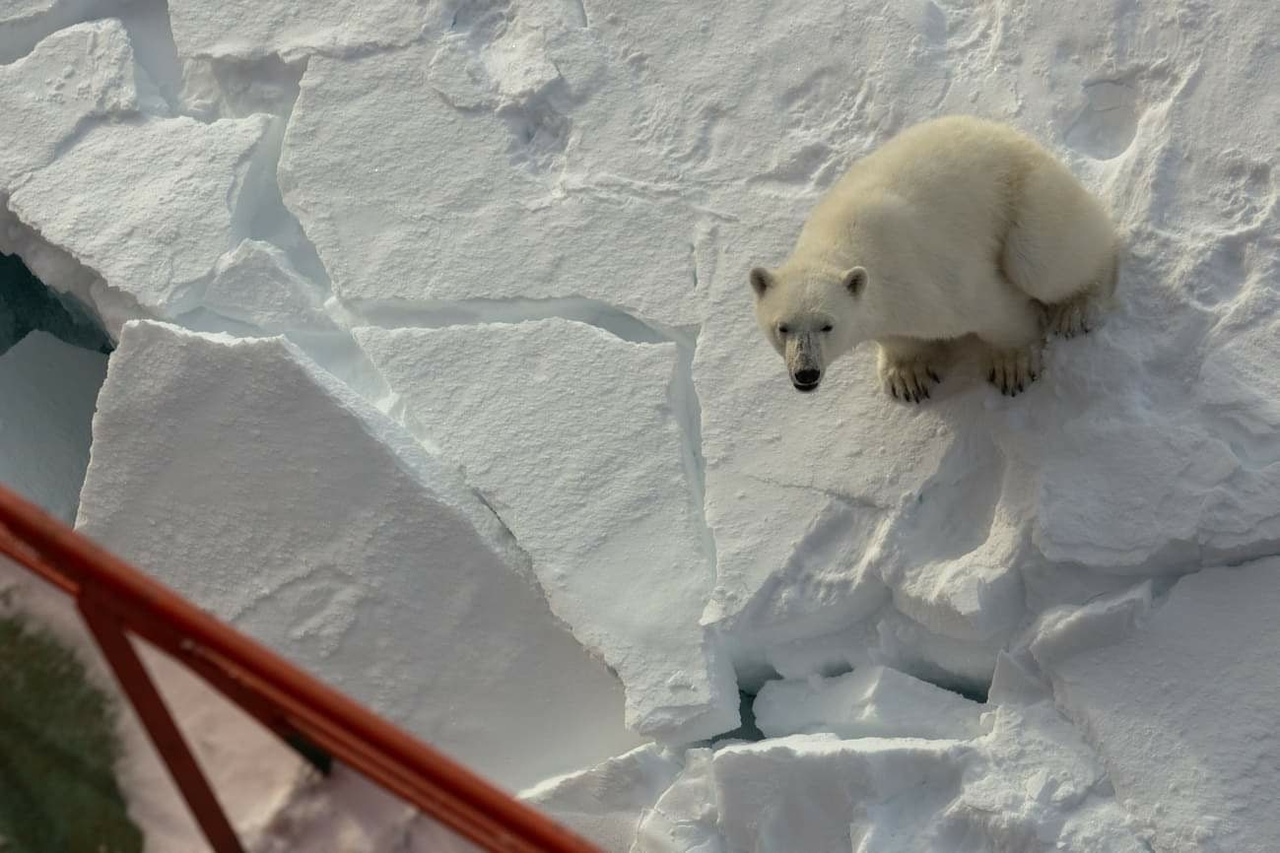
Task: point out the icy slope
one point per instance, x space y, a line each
401 192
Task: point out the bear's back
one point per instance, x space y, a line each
954 178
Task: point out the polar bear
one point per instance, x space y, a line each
957 226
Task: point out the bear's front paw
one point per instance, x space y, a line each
909 381
1013 370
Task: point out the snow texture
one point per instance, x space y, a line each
243 29
604 804
436 202
47 393
1029 783
597 514
73 78
1182 709
23 23
256 284
381 573
457 194
870 702
168 189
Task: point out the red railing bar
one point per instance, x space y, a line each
23 554
164 732
235 664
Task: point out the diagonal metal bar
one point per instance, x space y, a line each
168 740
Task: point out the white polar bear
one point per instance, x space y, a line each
957 226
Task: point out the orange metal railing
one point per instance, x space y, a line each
116 599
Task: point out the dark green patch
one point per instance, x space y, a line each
58 792
26 305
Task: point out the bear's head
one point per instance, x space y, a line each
810 315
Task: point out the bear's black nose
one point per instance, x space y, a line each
806 379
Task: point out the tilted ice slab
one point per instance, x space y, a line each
81 74
415 192
570 435
47 393
240 474
604 803
256 284
149 206
1028 782
23 23
1182 710
765 791
872 701
1147 447
243 29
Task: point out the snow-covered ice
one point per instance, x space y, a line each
1181 703
521 229
870 702
171 190
77 75
377 569
243 29
23 23
370 135
256 284
605 803
1028 783
610 519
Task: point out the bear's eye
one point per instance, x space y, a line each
827 327
784 329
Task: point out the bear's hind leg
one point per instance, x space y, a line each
909 367
1077 314
1061 248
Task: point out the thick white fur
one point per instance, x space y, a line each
961 226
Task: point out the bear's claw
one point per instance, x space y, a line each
1068 319
1012 371
910 381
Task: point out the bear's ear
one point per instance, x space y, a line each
761 281
855 280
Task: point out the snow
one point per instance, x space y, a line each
870 702
596 515
1028 782
24 23
495 224
242 30
82 73
256 284
48 390
507 244
604 804
171 190
381 573
1181 706
684 817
